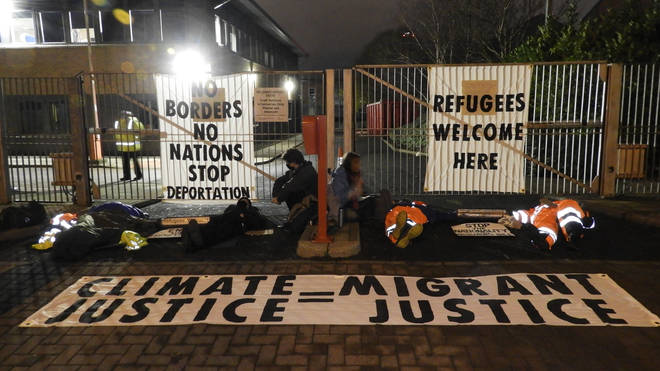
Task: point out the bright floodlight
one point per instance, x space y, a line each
6 10
288 85
190 63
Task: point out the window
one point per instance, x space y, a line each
77 25
233 42
218 31
145 26
52 27
113 30
22 28
174 25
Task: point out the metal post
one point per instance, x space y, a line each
78 140
611 132
348 110
329 114
4 169
322 230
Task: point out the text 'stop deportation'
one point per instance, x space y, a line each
520 299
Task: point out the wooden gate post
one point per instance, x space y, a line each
78 141
611 134
4 168
330 115
348 110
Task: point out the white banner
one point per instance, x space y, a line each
505 299
477 128
203 155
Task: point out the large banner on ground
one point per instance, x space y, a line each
511 299
477 128
208 138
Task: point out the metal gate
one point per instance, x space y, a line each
36 137
137 94
564 136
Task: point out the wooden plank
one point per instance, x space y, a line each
456 119
348 110
330 115
611 132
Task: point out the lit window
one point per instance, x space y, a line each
22 28
233 39
77 24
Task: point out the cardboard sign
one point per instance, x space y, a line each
271 105
482 229
507 299
167 233
184 220
477 128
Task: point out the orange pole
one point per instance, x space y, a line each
321 146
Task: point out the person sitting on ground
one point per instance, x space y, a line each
236 220
345 189
298 182
298 189
545 220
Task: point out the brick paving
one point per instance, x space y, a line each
315 347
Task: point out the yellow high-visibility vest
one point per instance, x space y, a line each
128 141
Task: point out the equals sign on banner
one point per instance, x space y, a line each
316 300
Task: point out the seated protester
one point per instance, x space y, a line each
345 189
298 182
545 220
298 188
236 220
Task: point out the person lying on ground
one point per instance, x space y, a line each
545 221
345 189
71 236
235 221
406 219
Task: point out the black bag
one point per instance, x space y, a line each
22 216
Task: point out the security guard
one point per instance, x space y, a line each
127 140
405 221
550 217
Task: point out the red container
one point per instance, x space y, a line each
385 115
309 134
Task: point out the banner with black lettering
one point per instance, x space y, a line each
477 128
507 299
209 140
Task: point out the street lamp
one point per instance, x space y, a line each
289 86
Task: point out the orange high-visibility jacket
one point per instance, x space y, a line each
569 211
415 216
544 218
549 219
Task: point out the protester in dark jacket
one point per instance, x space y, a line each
298 183
345 189
236 220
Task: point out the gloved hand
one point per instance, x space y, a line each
510 222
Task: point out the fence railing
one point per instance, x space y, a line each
41 122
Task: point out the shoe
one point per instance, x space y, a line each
124 179
401 219
138 177
413 232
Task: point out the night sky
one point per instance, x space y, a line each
333 33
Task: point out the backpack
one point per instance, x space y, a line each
31 214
